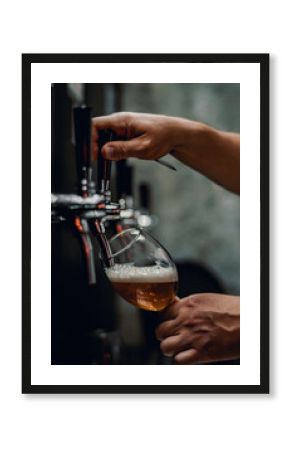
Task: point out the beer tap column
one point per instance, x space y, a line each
87 212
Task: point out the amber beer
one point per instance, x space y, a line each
150 288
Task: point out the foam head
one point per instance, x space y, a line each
126 273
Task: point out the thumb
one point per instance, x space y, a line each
117 150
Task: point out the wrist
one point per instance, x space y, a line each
191 137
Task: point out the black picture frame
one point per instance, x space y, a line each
263 61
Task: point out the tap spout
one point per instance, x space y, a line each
83 232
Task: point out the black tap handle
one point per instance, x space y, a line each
104 165
82 127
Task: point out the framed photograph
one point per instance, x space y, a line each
145 223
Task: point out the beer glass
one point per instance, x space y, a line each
141 270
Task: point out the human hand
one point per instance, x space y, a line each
213 153
201 328
147 136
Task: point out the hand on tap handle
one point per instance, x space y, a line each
214 153
104 164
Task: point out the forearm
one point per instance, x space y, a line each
214 153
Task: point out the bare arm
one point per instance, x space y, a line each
214 153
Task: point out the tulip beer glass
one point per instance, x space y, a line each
141 270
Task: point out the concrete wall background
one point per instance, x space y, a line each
197 219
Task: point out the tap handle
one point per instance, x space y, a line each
104 165
82 128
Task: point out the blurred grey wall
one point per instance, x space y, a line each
198 220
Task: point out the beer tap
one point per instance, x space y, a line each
85 212
124 185
82 222
76 209
89 211
104 165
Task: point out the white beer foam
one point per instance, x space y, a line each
126 273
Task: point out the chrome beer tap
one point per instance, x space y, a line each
86 212
89 212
